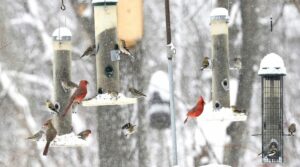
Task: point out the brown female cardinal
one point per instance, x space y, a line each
197 110
77 96
50 135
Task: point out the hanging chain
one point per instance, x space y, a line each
62 7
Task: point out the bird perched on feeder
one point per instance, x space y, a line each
68 85
37 136
197 110
84 134
50 135
113 94
205 63
128 129
90 51
123 49
292 129
236 110
237 63
136 93
53 107
77 96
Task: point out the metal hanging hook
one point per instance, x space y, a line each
62 7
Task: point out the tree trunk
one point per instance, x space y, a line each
250 50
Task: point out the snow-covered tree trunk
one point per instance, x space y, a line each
249 51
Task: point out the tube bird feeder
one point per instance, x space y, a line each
130 21
272 70
62 71
107 62
220 61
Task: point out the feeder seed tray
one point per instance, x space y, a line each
67 140
106 99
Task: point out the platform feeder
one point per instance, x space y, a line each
272 70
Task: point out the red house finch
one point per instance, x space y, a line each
197 110
84 134
136 93
77 96
50 135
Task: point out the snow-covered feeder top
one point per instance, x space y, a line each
104 2
272 64
62 34
219 14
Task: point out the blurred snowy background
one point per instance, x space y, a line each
26 82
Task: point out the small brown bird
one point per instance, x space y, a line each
50 135
90 51
68 85
292 129
113 94
37 136
123 49
236 110
136 93
53 107
84 134
205 63
128 129
237 63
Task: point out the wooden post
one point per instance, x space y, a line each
220 63
109 124
62 70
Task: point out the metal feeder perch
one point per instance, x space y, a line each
107 61
272 70
159 112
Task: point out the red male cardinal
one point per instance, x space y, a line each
50 135
197 110
77 96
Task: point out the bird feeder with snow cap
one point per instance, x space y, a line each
220 60
272 70
62 71
130 21
159 115
159 102
107 65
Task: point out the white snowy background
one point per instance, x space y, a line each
26 82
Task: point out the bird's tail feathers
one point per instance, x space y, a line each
46 148
67 108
